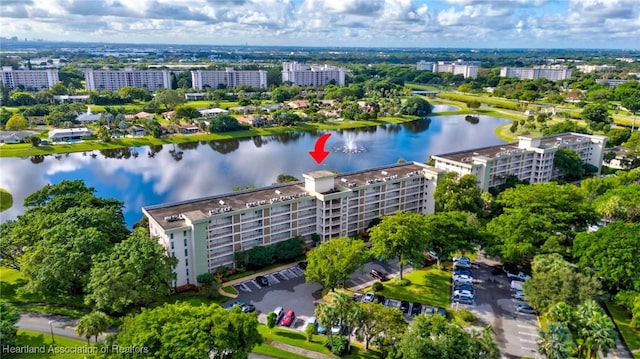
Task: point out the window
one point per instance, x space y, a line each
171 235
185 242
185 233
187 271
172 245
185 252
186 261
173 254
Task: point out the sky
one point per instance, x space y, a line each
341 23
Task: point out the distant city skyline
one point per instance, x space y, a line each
607 24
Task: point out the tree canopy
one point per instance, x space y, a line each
17 122
134 273
596 116
416 106
569 163
458 194
333 261
186 331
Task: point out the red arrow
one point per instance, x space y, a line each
318 153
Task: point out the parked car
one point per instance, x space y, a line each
288 318
237 303
368 297
404 306
302 265
526 308
462 299
321 329
279 313
462 271
468 287
462 264
262 281
463 292
377 275
313 321
518 276
416 309
380 299
248 308
336 328
461 258
462 279
518 295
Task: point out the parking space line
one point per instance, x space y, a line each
241 287
297 270
530 334
256 284
282 274
273 278
526 326
527 341
530 349
292 273
287 274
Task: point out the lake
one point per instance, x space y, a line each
158 174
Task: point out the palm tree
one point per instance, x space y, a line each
556 342
563 313
92 324
596 330
487 347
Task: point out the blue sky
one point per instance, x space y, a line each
367 23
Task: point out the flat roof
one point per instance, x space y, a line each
466 156
170 215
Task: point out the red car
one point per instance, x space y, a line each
288 318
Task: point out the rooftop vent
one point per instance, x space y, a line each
384 173
344 180
475 153
278 191
221 202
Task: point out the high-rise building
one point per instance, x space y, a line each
592 68
112 80
312 75
29 80
552 73
203 234
530 159
468 69
229 78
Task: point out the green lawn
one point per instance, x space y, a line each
41 340
294 338
6 200
428 286
230 289
268 350
622 319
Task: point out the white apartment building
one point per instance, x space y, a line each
229 78
468 69
594 68
312 75
203 234
552 73
112 80
530 159
611 83
30 80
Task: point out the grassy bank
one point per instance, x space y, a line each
62 349
24 150
6 200
630 335
428 286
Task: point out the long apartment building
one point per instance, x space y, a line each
312 75
229 78
30 80
112 80
529 159
553 72
468 69
203 234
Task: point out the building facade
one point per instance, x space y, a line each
468 69
29 80
552 73
530 159
594 68
113 80
312 75
203 234
229 78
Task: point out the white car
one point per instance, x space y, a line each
518 295
337 328
519 276
368 297
463 293
462 279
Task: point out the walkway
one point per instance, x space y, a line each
300 351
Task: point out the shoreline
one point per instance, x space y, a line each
26 150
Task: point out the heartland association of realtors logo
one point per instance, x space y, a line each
52 349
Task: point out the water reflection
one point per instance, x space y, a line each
179 172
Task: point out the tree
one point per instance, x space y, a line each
169 98
92 324
135 273
569 163
596 116
35 141
272 318
376 320
225 123
458 194
595 329
565 126
17 122
621 203
432 336
333 261
212 332
284 178
473 105
400 235
556 280
538 219
556 342
632 103
187 112
8 329
327 314
611 252
447 232
416 106
209 284
310 330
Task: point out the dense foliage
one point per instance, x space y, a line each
333 261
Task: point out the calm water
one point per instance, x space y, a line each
151 175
